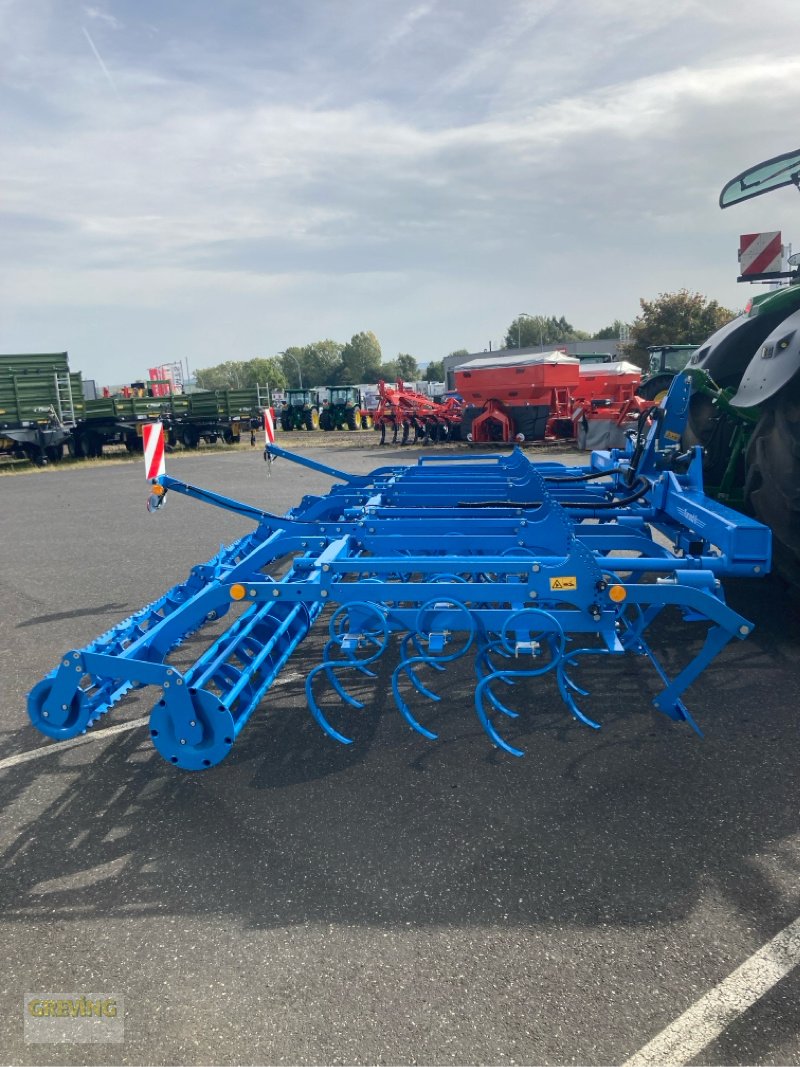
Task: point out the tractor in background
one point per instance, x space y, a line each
300 410
345 409
665 361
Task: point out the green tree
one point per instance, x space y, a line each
390 372
434 372
361 359
612 332
681 318
242 374
538 331
265 371
229 375
321 362
292 359
407 367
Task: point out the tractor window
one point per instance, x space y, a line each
772 174
677 360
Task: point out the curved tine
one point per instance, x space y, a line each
569 682
563 683
406 664
482 659
330 671
404 709
421 658
317 711
485 722
495 701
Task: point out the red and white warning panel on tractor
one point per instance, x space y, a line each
269 427
760 253
153 440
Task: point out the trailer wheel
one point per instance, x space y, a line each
772 482
91 444
133 443
34 453
366 422
190 437
54 453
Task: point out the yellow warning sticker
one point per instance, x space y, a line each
563 583
671 435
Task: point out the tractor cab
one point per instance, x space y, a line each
665 361
669 359
300 410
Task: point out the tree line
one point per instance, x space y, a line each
320 363
682 317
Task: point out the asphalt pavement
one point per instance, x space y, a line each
395 901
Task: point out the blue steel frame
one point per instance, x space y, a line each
530 567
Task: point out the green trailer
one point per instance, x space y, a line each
40 403
188 418
111 420
212 414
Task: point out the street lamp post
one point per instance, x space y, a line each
522 315
296 363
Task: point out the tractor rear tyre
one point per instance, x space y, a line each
714 430
315 418
772 482
655 388
351 421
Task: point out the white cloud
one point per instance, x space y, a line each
527 142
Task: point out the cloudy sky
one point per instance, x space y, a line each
220 179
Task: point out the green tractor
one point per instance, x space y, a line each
745 404
665 362
300 410
344 410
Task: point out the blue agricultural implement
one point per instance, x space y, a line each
526 569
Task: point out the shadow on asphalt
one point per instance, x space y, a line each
618 827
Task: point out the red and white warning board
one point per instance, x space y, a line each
153 441
760 253
269 427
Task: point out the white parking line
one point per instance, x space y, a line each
699 1025
60 746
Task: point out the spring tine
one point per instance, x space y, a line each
564 686
317 711
486 723
421 658
495 701
402 707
